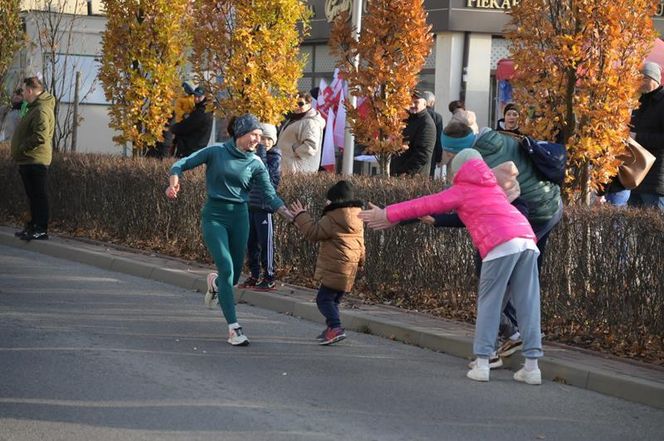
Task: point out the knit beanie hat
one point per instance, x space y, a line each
188 87
244 124
462 157
340 192
269 131
652 70
457 136
510 106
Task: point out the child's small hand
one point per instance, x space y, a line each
285 213
429 220
296 208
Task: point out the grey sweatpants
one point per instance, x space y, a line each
519 271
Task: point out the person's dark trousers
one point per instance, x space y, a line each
646 200
35 182
260 247
542 232
328 304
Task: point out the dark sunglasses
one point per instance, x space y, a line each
301 104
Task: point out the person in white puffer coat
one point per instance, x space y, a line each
301 138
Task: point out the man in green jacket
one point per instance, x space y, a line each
32 150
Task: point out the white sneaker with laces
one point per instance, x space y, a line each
478 373
211 294
529 377
237 338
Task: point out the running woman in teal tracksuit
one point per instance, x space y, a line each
231 170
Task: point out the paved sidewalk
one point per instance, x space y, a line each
589 370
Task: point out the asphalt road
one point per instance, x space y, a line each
90 354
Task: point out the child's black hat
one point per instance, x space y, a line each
340 192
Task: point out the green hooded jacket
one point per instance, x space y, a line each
32 142
542 197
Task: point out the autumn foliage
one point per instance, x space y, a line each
10 33
394 42
142 59
247 54
577 69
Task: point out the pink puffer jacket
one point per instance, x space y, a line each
480 203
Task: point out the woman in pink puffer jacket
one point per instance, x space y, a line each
506 243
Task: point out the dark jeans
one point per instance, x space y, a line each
35 182
260 247
328 305
646 200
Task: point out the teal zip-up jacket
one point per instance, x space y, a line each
230 174
542 196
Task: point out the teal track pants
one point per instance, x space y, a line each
225 232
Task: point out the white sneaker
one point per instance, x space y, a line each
528 377
211 294
478 373
237 338
494 363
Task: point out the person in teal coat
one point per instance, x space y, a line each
232 169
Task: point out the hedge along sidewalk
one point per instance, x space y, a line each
632 381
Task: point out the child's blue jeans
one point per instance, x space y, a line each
328 304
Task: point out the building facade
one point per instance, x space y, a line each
469 44
74 28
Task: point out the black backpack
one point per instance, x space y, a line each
549 158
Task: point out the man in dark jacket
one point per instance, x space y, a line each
32 150
648 130
437 157
419 138
193 132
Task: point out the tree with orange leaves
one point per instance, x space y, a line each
143 56
577 65
394 42
247 54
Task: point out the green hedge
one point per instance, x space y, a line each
602 281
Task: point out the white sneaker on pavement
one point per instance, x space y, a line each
494 363
237 338
533 377
478 373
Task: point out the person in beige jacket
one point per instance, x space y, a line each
301 138
341 234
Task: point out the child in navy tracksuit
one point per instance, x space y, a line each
260 247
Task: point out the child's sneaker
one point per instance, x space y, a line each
267 284
478 373
533 377
333 335
321 336
249 282
211 294
237 338
509 347
494 362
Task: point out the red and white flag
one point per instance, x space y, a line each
328 160
340 123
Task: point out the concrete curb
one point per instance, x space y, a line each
593 372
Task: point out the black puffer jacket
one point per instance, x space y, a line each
193 132
648 123
420 135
